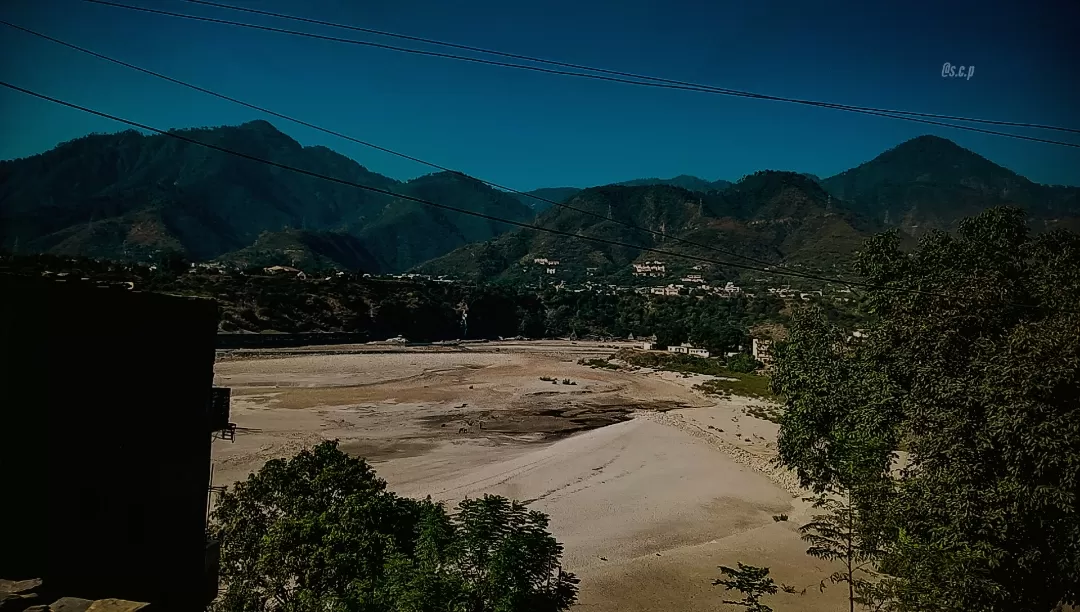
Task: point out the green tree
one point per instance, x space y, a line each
976 374
836 536
320 531
743 363
840 425
716 336
753 582
506 558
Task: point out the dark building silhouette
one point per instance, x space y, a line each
106 414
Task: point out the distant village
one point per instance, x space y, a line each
694 283
691 284
760 349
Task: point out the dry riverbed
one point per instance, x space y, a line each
649 484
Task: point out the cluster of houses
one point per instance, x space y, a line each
652 269
786 292
589 286
728 290
300 274
693 283
682 349
424 277
550 265
761 349
669 290
285 270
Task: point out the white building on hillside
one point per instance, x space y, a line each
650 268
762 351
688 349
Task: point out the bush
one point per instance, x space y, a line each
743 363
320 531
598 363
746 385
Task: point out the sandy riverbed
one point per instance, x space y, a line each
649 484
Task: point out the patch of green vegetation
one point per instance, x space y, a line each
768 413
674 362
732 382
745 385
598 363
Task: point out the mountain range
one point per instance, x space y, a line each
541 199
130 196
769 216
134 196
773 217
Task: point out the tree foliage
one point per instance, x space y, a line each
839 426
836 536
753 582
379 308
320 531
977 376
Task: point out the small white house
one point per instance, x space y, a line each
646 346
688 349
762 350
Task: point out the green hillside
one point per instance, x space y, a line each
306 250
775 216
931 183
130 196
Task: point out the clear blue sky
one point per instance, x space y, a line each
529 130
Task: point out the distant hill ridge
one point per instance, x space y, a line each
134 196
923 184
127 195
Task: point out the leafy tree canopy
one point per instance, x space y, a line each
320 532
977 376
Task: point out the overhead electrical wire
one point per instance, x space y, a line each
661 85
255 158
381 148
550 62
379 190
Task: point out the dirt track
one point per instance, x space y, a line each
649 485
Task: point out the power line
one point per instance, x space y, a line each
255 158
378 147
702 89
632 75
318 175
